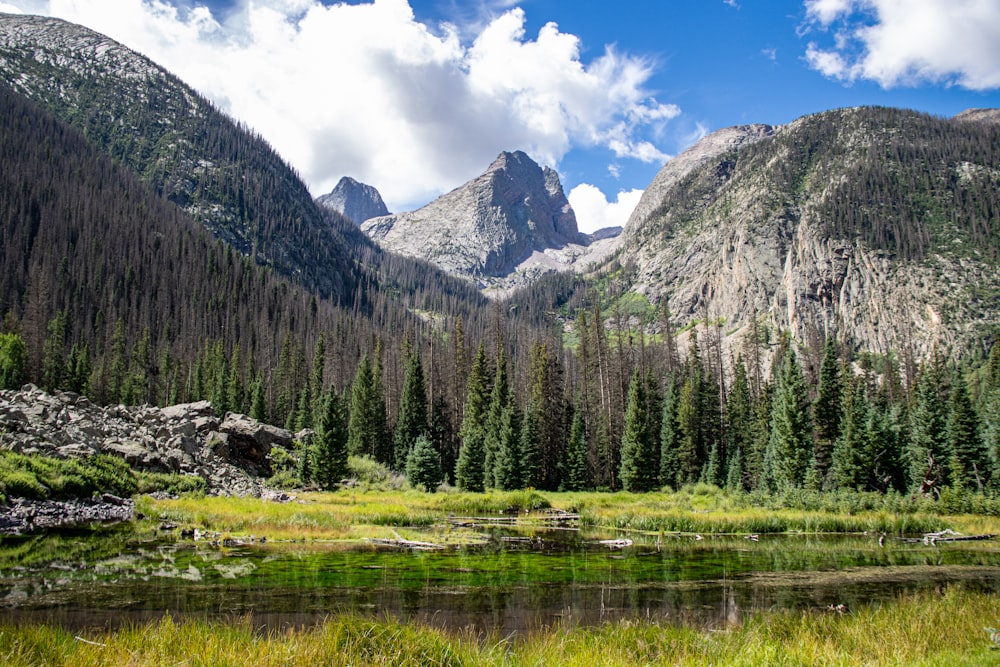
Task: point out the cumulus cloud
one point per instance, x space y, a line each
908 42
594 211
368 91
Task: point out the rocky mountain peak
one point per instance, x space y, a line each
513 216
987 115
354 200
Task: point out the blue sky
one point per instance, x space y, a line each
417 97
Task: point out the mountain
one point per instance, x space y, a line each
879 225
355 201
498 230
219 173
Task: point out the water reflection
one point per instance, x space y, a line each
502 585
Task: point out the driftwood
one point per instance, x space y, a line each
948 535
401 543
616 544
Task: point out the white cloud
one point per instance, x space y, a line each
594 211
909 42
366 90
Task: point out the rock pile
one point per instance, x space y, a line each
231 453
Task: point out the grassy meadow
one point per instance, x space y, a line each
925 629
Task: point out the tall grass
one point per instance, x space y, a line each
923 629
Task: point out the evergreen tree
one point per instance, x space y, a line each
258 402
469 471
507 474
670 435
530 446
316 379
498 403
827 410
53 353
366 427
928 451
575 477
235 394
968 462
638 463
847 467
442 436
791 446
412 420
739 431
13 360
79 367
423 467
329 457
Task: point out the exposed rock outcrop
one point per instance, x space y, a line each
499 229
845 222
231 454
355 201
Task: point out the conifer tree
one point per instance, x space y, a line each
53 353
575 477
235 393
530 446
791 446
739 430
670 435
507 474
423 467
13 360
316 379
329 456
469 471
498 403
928 451
638 463
968 464
412 420
366 428
827 410
847 463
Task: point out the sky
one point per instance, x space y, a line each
417 97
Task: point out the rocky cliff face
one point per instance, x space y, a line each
499 229
867 223
355 201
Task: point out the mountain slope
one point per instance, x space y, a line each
220 174
879 224
515 215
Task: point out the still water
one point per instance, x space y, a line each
511 582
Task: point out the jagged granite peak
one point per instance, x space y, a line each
868 223
486 229
354 200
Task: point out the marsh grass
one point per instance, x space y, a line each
921 629
353 514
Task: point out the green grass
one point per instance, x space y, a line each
924 629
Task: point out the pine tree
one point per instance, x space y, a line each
366 427
235 393
329 458
316 380
53 353
968 464
498 403
575 477
412 420
258 402
423 467
670 435
507 474
791 445
847 466
638 464
739 426
827 410
928 451
469 471
531 450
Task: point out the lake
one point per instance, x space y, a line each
507 581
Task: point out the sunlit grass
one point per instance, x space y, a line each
354 514
923 629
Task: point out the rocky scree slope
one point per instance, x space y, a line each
498 230
879 225
355 201
230 452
